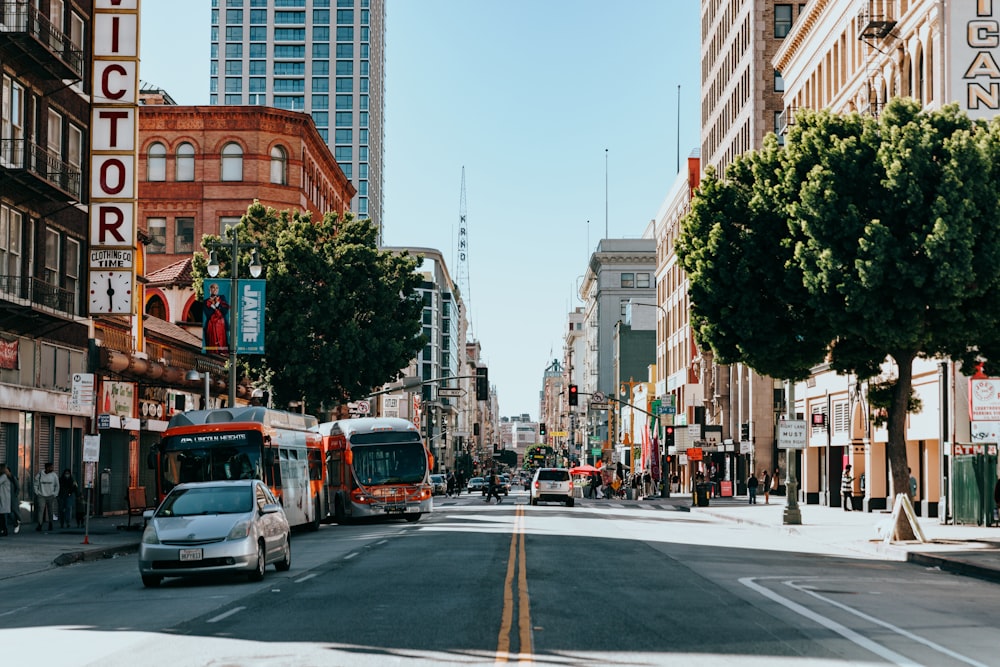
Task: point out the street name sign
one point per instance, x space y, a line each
450 392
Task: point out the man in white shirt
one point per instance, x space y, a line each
46 495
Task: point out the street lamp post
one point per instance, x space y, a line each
234 307
195 375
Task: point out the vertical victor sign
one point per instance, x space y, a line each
114 134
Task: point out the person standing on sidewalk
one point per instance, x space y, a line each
46 495
6 526
67 492
767 487
752 483
847 489
15 497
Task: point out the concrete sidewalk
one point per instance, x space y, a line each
35 551
967 550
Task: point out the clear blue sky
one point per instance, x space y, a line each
527 95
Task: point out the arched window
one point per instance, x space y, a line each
156 307
185 162
156 162
279 166
232 162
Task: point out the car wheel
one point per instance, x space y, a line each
413 518
285 563
151 580
258 572
569 502
313 525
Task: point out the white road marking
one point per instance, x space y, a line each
845 632
234 610
889 626
305 578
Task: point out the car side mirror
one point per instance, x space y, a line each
270 508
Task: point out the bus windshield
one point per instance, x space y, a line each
208 457
390 463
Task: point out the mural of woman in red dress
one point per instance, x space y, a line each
215 318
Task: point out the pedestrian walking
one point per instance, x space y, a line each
752 483
68 491
847 489
494 488
913 485
459 482
46 495
767 487
6 527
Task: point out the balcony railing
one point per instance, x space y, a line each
21 154
873 24
22 19
37 292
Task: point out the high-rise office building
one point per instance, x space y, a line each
323 57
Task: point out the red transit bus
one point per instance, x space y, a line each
282 448
376 467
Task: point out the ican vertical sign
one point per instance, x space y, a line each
973 39
114 138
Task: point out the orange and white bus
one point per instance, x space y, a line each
376 467
281 448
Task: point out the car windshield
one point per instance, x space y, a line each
207 500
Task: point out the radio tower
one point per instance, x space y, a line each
463 251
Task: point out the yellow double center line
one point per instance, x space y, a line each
515 560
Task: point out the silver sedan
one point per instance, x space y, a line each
215 527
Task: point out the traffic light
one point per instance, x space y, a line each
668 436
574 396
541 429
744 432
482 384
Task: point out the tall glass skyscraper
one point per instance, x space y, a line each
322 57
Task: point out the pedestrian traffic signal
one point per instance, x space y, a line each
668 436
482 384
541 429
574 397
744 432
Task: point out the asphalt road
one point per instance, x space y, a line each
510 583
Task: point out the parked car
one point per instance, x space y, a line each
505 484
476 484
205 528
552 484
440 484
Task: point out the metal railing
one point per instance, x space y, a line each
22 154
23 18
38 292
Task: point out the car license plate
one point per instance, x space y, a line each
190 554
394 510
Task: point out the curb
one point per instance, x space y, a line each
954 566
70 557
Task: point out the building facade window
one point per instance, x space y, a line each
156 162
782 20
185 162
11 221
279 166
628 280
232 162
157 228
183 235
52 248
642 280
72 281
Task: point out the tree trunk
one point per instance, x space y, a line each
896 446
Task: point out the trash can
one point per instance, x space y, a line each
701 494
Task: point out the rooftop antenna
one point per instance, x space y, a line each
605 193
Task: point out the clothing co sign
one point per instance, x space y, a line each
974 43
113 153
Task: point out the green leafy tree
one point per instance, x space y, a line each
342 316
864 242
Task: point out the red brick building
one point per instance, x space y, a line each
200 167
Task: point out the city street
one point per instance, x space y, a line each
600 583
